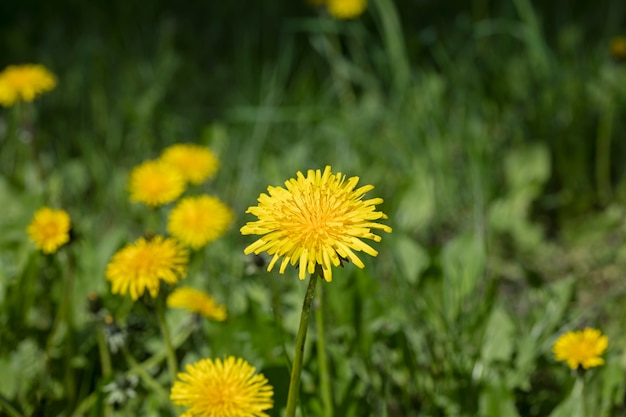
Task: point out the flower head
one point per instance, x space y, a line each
196 221
618 48
155 183
197 301
346 9
196 163
49 229
228 388
317 220
142 265
581 348
24 83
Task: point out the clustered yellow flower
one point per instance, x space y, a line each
24 83
196 221
222 388
342 9
197 301
142 265
49 229
319 219
196 163
581 349
155 183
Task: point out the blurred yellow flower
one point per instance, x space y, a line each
196 221
24 83
618 48
228 388
49 229
197 301
346 9
581 348
142 265
196 163
155 183
319 219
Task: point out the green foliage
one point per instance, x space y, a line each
491 130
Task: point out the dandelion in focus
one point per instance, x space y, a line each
346 9
228 388
142 265
196 221
196 163
319 219
581 349
155 183
24 83
197 301
49 229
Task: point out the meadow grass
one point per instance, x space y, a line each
491 133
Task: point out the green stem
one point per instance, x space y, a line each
103 351
296 369
322 360
137 369
171 354
6 406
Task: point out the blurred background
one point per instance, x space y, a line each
493 130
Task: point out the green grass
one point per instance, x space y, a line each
492 131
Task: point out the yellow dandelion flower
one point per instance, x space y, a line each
24 83
317 220
197 301
155 183
581 348
142 265
618 48
216 388
49 229
196 163
196 221
346 9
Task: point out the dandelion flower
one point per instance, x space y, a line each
24 83
49 229
346 9
142 265
196 221
197 301
317 220
581 348
155 183
196 163
216 388
618 48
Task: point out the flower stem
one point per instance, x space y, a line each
137 369
296 368
171 354
322 360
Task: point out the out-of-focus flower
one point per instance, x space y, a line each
319 219
581 349
197 301
228 388
196 163
24 83
142 265
346 9
49 229
196 221
155 183
618 48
